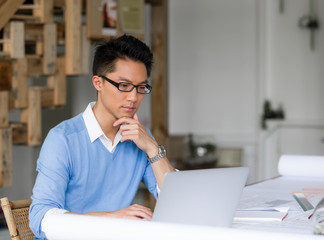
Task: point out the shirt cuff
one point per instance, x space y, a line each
50 213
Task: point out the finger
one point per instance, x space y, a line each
130 137
129 127
123 120
134 217
135 117
129 130
143 209
143 214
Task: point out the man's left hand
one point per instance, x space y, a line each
132 130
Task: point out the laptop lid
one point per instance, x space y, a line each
201 197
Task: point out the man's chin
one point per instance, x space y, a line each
127 115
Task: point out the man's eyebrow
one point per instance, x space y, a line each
127 80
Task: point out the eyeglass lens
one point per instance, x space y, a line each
127 87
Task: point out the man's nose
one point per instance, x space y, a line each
132 95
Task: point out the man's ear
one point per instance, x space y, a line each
96 81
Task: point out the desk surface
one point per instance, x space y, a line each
278 193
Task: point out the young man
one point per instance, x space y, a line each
93 163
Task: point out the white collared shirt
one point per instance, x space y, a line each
95 131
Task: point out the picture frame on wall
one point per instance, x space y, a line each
131 14
107 18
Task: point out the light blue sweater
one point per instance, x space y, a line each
80 176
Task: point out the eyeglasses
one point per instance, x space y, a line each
128 87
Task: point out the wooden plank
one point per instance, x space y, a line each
45 11
26 18
5 157
16 46
73 37
159 81
47 97
39 48
159 78
85 55
5 75
58 82
7 10
34 66
34 32
32 116
94 19
4 40
19 133
4 109
59 3
20 83
28 6
49 62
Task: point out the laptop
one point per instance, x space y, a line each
201 197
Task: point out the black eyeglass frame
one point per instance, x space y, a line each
147 86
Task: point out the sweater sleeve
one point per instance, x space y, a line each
52 179
149 180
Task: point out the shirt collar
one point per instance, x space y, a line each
92 125
94 129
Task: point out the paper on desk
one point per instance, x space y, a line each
268 209
261 214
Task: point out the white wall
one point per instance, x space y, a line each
213 72
291 64
293 76
212 68
227 56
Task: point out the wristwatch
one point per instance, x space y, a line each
161 154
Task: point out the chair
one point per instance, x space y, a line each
16 215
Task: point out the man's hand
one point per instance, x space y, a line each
132 212
132 130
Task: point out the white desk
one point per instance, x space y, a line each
275 193
266 193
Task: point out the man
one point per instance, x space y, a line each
93 163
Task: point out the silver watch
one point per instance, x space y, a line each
161 154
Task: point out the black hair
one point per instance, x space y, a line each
123 47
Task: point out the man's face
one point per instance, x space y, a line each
123 104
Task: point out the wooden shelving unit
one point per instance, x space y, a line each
30 32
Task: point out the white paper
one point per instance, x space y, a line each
301 166
260 216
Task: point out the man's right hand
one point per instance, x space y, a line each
132 212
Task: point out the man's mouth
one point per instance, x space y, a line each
128 108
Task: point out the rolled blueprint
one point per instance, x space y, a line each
71 227
301 166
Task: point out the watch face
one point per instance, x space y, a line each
162 150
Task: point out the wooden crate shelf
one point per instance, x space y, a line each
5 157
29 49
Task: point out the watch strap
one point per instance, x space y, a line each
161 154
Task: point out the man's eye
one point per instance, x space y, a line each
124 85
142 87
